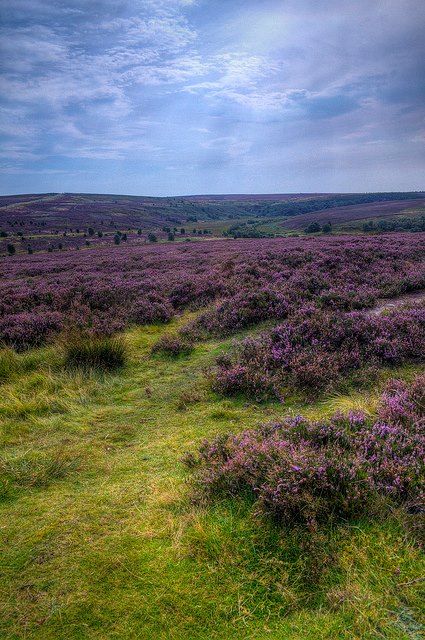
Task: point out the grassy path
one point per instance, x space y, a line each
99 539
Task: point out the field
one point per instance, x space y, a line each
348 217
205 440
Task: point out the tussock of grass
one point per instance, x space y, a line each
35 469
94 352
8 364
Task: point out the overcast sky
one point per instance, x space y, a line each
164 97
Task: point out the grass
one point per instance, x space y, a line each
99 538
102 353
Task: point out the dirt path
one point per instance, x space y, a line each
387 304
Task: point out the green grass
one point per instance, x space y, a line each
99 538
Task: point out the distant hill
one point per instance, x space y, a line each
61 220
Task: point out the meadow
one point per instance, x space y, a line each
221 439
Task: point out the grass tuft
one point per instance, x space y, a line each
8 364
94 352
34 470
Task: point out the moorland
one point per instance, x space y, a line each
211 416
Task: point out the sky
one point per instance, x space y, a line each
173 97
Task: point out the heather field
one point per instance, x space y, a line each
213 440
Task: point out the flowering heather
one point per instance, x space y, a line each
310 472
314 349
239 282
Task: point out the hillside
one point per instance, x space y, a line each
68 221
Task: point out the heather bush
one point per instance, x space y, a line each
88 351
243 310
29 329
302 472
314 349
152 308
173 345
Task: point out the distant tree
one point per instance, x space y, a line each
11 249
87 243
100 234
205 232
166 229
124 237
152 237
3 234
139 232
30 249
171 236
313 227
117 239
60 246
182 231
194 231
327 228
90 231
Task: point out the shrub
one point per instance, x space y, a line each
315 349
105 353
25 329
151 308
173 345
305 472
313 227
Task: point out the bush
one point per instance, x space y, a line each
95 352
302 472
151 308
315 349
313 227
25 329
173 345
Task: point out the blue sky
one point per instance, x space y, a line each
163 97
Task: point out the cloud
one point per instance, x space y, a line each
236 84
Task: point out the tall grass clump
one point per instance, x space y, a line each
92 352
34 470
8 364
